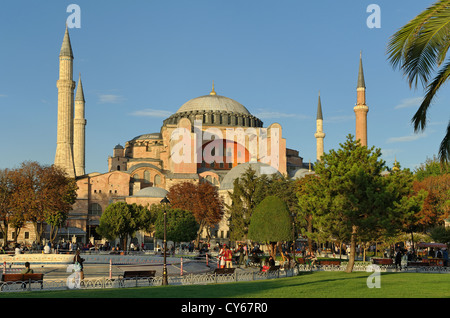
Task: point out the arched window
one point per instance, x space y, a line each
157 179
147 176
136 177
95 209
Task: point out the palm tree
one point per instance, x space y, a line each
418 48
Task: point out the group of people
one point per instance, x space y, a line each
226 256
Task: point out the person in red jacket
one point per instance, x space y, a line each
228 255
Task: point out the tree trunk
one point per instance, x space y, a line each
5 233
351 260
272 249
38 230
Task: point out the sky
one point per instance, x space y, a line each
141 60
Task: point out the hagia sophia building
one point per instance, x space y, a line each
211 138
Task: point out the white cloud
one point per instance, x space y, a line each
152 113
110 99
390 153
268 114
409 102
406 138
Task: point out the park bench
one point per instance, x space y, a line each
382 261
23 279
128 275
138 274
224 271
329 262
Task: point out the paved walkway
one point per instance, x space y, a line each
92 271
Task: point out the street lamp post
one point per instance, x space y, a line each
293 235
164 277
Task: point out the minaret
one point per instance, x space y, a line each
320 135
65 85
361 108
79 127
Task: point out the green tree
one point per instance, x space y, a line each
431 167
440 234
418 49
247 193
353 191
121 220
271 223
249 190
181 225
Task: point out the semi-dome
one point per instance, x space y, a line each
237 172
213 103
151 192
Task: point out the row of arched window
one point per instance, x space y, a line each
147 178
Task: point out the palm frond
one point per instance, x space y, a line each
444 149
422 43
419 119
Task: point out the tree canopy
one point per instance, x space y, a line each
202 200
181 225
36 193
354 198
271 222
121 220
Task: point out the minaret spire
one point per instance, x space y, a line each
79 128
320 135
66 47
361 108
361 82
65 85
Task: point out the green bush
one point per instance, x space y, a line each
270 221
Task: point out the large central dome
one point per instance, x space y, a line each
213 102
215 110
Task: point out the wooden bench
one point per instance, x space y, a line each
330 262
138 274
23 278
383 261
224 271
128 275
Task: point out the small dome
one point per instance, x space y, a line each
213 102
301 173
151 192
118 146
259 167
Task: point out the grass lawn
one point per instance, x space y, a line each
307 285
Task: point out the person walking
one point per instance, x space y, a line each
398 259
245 248
78 260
